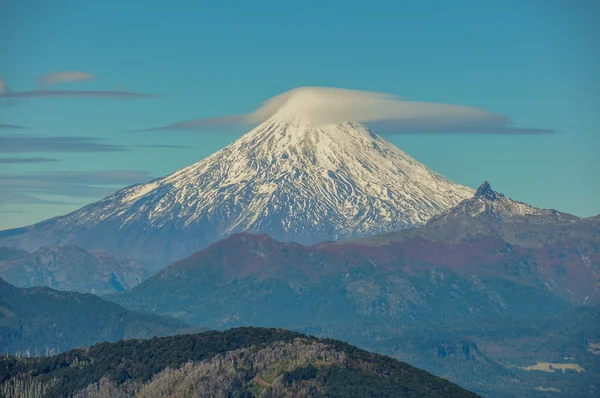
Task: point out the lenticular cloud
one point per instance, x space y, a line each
390 113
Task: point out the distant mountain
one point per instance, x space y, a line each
246 279
71 268
37 319
593 219
289 177
244 362
489 213
9 253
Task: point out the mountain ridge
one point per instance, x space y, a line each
39 318
491 213
549 264
70 267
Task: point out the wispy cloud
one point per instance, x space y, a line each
408 127
35 143
27 160
11 127
324 105
7 198
8 96
73 94
25 188
66 76
200 124
24 144
166 146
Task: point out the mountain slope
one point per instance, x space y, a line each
37 319
245 279
452 296
10 253
72 268
489 256
489 213
244 362
288 177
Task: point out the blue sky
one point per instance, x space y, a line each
535 61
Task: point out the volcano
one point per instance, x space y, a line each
293 177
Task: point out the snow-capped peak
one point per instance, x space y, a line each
340 179
291 177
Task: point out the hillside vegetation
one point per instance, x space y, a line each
242 362
39 319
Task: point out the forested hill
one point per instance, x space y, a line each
241 362
39 318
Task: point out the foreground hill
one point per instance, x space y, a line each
40 319
244 362
70 268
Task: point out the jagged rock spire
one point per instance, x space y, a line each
486 191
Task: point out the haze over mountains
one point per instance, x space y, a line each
70 268
506 251
487 265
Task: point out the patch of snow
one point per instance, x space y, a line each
139 191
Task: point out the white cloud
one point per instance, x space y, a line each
66 76
324 105
11 97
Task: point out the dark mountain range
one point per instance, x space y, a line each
244 362
244 278
38 319
464 267
70 268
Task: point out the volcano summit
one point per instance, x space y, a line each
292 177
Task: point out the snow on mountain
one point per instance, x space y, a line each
491 213
295 179
290 177
487 201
